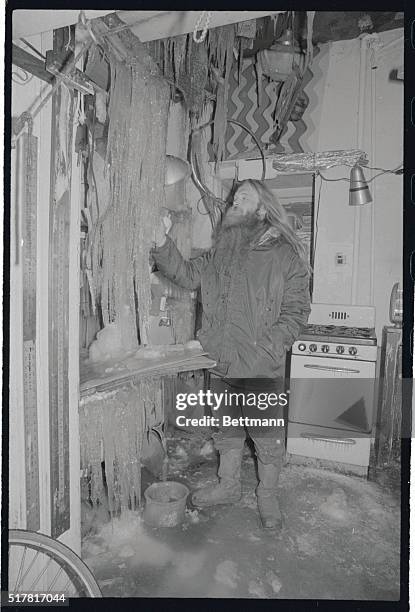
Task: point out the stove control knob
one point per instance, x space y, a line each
325 348
353 350
340 349
313 348
302 346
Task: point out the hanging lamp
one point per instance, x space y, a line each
177 170
277 61
359 193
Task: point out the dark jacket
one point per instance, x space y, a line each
251 318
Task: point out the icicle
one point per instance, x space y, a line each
240 54
136 149
165 57
258 73
221 111
189 51
90 417
310 21
108 433
275 21
179 53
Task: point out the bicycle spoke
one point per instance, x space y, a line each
52 584
19 573
66 587
31 565
37 579
55 564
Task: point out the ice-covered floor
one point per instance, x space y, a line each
341 540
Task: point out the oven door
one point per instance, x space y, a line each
332 393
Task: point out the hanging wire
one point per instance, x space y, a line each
22 77
204 214
394 171
68 44
316 221
332 180
385 169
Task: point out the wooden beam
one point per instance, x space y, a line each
58 64
63 108
31 64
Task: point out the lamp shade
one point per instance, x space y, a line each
177 169
277 61
359 193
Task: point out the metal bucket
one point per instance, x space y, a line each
165 504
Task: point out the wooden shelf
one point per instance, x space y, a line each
109 374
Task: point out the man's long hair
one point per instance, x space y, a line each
277 217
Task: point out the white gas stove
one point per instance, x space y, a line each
341 332
332 378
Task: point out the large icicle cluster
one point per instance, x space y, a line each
201 72
112 426
138 113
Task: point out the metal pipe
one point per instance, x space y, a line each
358 212
373 73
19 193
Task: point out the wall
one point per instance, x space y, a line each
23 96
382 139
332 123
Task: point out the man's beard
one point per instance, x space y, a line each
234 237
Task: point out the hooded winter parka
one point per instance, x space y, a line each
252 314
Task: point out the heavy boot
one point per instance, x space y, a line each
228 490
269 510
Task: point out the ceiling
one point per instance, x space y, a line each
147 25
330 26
30 22
340 25
151 25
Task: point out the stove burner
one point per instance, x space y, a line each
339 331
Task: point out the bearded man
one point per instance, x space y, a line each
255 295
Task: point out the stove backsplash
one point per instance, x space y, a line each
339 331
345 315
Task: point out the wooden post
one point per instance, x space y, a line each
59 229
390 397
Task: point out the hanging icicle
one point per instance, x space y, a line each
225 60
138 113
310 21
113 425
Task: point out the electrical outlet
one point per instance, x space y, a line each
340 259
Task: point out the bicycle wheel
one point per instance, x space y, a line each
38 563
